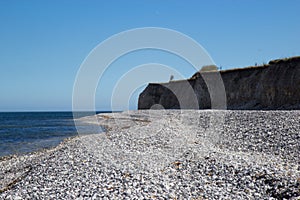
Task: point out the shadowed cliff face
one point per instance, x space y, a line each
272 86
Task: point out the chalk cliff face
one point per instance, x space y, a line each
272 86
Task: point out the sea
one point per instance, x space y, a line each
25 132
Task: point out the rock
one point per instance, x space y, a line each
272 86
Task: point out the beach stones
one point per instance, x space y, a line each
256 157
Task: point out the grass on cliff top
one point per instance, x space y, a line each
264 65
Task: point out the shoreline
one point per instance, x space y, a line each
26 132
30 156
42 150
176 154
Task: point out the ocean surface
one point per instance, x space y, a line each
24 132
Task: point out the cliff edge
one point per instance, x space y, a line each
268 87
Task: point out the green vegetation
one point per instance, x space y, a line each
208 68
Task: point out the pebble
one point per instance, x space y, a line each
167 154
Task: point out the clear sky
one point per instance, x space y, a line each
43 43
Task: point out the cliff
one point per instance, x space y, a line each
271 86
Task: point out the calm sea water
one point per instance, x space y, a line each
23 132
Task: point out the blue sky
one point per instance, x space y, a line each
43 43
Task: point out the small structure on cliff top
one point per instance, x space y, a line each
209 68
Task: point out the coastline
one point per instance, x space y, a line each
168 154
39 151
29 160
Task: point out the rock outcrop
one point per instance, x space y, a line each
271 86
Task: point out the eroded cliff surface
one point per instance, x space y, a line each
272 86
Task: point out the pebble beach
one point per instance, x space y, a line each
166 154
